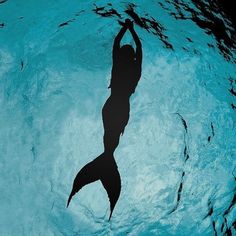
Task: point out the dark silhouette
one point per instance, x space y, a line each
126 72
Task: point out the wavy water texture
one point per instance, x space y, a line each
177 155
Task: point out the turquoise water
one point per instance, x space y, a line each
177 155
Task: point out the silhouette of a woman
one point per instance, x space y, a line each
126 72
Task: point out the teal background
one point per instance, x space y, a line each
51 126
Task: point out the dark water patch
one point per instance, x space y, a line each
234 224
228 210
214 227
179 193
222 227
210 45
33 151
79 13
2 25
106 11
130 11
2 1
231 205
183 122
163 6
210 209
186 151
216 26
189 39
228 232
21 64
65 23
180 188
228 8
212 133
232 91
186 157
212 130
232 81
208 16
150 24
226 229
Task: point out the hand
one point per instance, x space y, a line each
122 23
129 24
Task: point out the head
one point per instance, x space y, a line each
127 53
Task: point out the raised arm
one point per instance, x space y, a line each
137 41
116 45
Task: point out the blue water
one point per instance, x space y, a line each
53 84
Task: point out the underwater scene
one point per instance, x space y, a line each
177 155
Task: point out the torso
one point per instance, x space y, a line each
124 79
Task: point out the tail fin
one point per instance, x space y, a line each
102 168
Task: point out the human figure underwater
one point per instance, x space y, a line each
126 72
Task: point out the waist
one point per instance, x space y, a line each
119 98
122 92
120 95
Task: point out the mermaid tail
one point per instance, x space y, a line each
102 168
